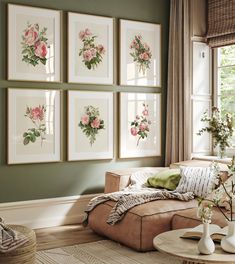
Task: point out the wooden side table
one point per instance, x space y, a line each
26 253
186 249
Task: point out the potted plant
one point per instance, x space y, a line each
221 129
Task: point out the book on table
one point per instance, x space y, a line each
216 232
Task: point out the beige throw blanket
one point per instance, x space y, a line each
10 239
130 198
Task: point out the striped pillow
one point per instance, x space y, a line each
199 180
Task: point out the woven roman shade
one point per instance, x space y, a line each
221 23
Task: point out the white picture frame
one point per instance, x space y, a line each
34 125
90 63
140 114
140 53
93 111
34 44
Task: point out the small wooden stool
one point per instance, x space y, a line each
24 254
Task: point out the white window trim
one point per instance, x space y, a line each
229 151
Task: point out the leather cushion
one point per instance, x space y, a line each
140 224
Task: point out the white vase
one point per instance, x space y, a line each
228 242
206 245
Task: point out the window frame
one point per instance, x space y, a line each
215 94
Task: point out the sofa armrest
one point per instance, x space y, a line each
117 180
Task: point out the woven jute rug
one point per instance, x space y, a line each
101 252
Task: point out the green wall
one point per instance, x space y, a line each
37 181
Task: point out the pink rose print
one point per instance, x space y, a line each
134 131
84 33
31 36
41 49
95 123
85 120
91 53
144 56
145 112
87 32
91 123
141 54
87 55
36 115
140 126
34 45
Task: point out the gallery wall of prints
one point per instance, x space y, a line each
36 161
34 115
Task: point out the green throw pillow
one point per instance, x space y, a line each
167 179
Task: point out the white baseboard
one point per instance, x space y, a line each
46 212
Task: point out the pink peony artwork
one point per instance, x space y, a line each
34 45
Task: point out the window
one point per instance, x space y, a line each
225 81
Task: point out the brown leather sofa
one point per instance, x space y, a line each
143 222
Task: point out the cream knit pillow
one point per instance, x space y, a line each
199 180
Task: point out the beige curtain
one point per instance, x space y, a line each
178 129
221 23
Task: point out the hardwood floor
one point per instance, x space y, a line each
62 236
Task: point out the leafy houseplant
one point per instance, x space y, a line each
221 129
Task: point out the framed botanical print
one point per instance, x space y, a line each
90 125
34 44
33 125
90 49
140 53
140 125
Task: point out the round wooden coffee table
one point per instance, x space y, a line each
186 249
